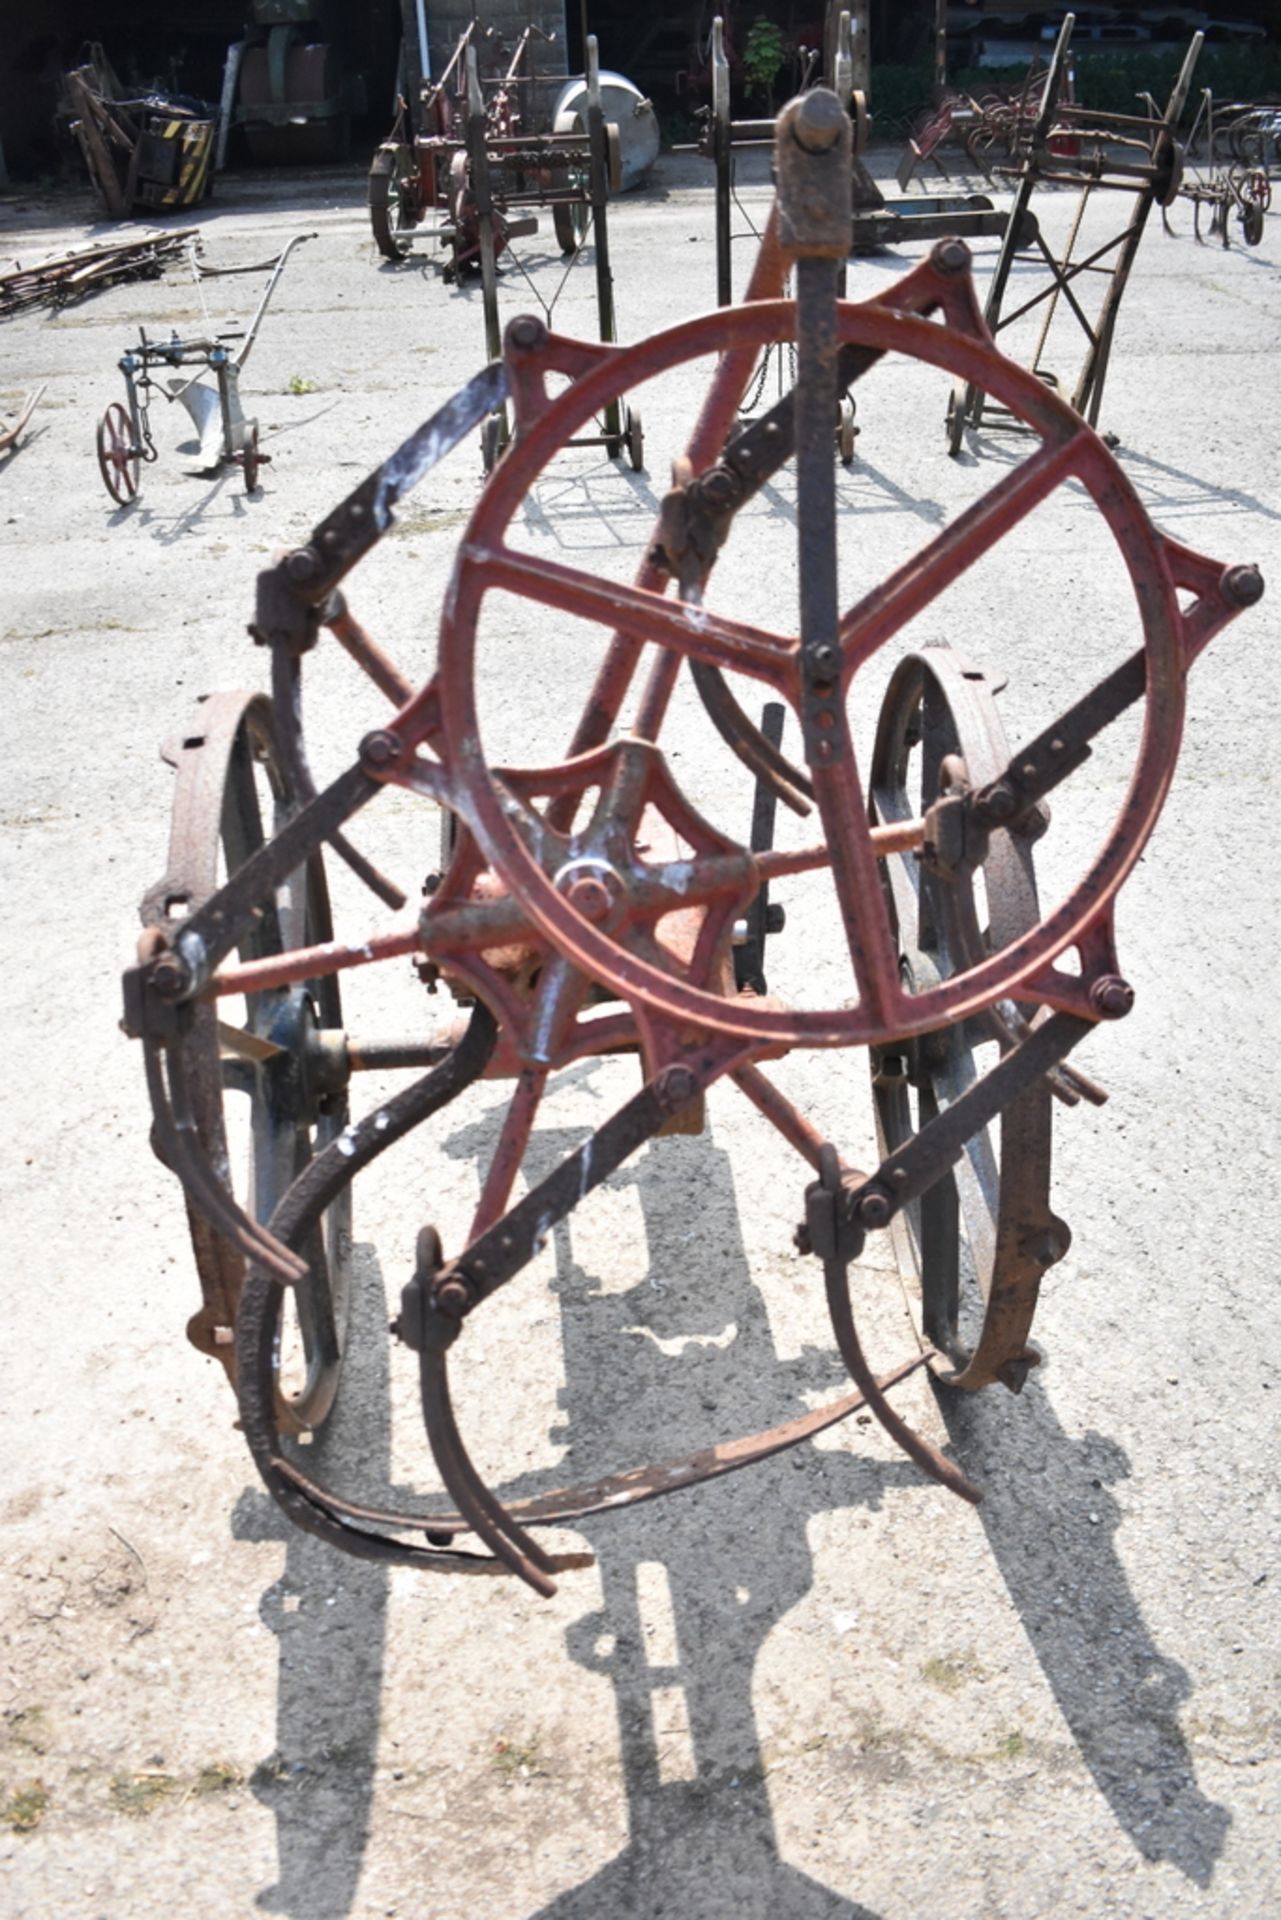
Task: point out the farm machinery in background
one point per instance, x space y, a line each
477 174
288 84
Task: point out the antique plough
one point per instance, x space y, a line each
125 438
590 909
1072 146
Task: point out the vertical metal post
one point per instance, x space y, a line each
970 406
722 158
599 144
1089 387
478 169
940 49
861 44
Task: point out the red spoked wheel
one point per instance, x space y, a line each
119 460
1068 450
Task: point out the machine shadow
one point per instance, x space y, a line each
329 1615
731 1559
1051 1524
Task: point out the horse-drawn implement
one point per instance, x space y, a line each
589 908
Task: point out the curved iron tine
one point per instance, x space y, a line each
926 1456
744 738
176 1135
484 1513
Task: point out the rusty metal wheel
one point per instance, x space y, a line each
977 1242
251 459
884 1010
393 198
571 218
267 1074
635 441
846 431
119 459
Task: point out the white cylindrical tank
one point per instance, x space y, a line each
629 110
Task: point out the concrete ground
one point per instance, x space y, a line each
820 1688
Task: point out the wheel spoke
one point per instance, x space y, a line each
929 573
872 949
688 630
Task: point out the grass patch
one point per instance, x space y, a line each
517 1759
26 1807
299 383
138 1794
217 1777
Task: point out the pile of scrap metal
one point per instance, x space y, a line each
148 150
288 84
72 276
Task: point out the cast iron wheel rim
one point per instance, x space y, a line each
969 1241
635 441
483 561
282 1135
251 460
570 219
847 432
389 210
118 461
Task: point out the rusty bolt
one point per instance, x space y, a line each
170 976
589 896
875 1209
951 256
1111 997
452 1297
824 662
1000 802
1242 586
720 488
380 749
819 121
526 331
303 565
675 1087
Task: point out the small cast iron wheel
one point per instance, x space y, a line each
393 199
570 219
635 441
1252 222
959 402
978 1240
251 459
490 442
846 432
267 1092
118 458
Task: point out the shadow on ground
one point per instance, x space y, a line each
733 1559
